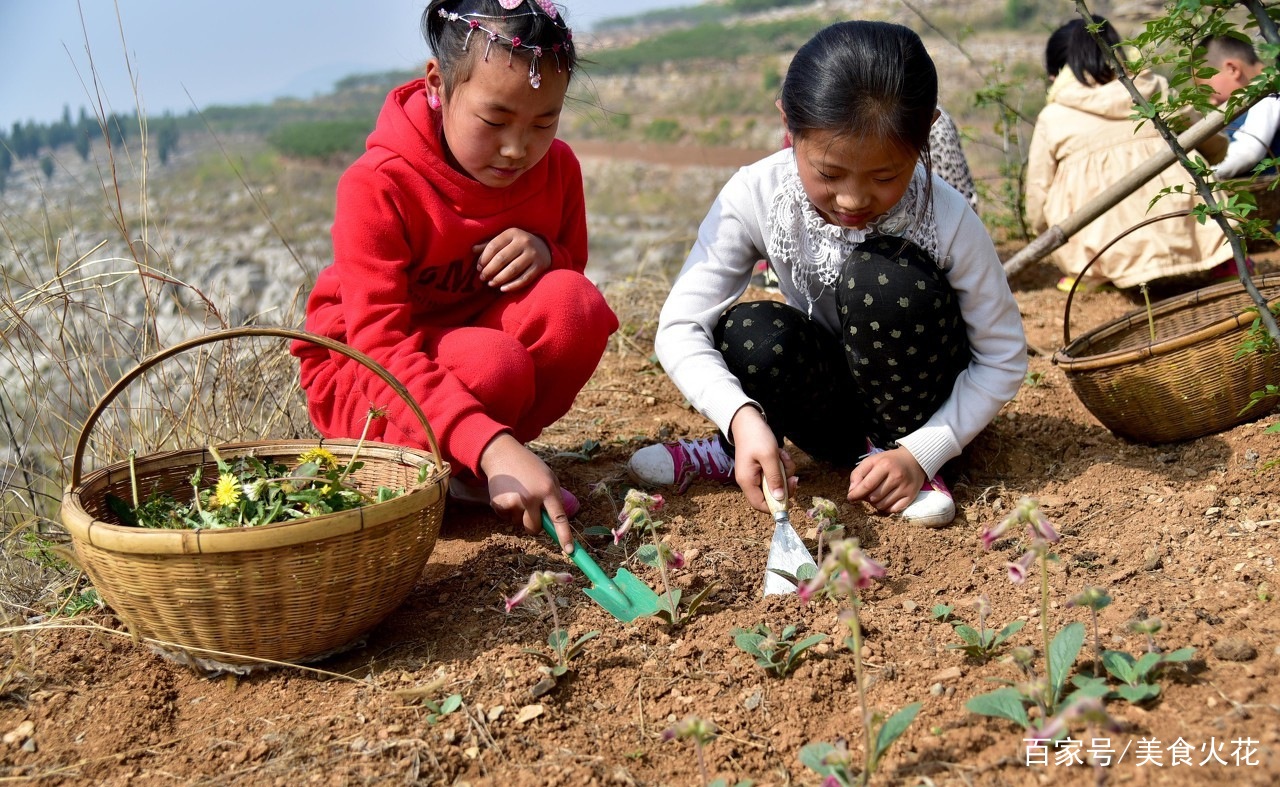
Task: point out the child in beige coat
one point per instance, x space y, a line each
1084 141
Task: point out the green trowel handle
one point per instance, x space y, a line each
581 559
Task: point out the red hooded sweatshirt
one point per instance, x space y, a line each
404 267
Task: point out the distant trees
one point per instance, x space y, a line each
321 139
26 141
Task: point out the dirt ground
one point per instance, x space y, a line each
1184 532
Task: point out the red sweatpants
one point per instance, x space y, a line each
524 359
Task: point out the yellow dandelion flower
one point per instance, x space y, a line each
321 456
227 493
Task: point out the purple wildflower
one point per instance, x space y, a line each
1018 571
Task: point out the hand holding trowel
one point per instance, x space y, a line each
787 553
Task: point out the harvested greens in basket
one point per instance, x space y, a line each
251 492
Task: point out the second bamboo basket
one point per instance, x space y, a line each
1184 382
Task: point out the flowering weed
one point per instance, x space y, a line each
1060 652
701 732
637 514
846 571
541 584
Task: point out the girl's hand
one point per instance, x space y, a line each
512 260
521 485
756 456
889 481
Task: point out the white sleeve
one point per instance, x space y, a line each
996 339
714 275
1252 140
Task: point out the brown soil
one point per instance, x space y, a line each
1184 532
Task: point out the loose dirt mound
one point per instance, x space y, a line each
1186 533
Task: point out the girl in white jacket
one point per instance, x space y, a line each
899 340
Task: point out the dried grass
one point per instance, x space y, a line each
88 290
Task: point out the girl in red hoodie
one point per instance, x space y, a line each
459 244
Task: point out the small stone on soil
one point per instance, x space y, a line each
1234 649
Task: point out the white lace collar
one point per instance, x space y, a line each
814 250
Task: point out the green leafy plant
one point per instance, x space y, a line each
585 453
251 492
776 653
438 709
637 514
982 643
846 571
941 613
835 762
1137 675
86 600
541 585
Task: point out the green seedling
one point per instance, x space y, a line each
585 453
438 710
86 600
941 613
776 653
982 643
1137 676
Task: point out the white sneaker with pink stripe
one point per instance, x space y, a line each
933 506
682 462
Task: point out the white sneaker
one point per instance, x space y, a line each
933 506
681 462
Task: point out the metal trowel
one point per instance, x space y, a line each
787 552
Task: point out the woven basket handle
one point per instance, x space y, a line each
232 333
1066 317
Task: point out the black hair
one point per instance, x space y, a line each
449 42
1072 45
867 78
1219 48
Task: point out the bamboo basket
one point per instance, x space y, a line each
286 592
1184 383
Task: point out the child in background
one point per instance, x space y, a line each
1255 135
459 243
899 339
1084 141
946 156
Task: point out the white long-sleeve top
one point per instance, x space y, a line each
1251 142
737 232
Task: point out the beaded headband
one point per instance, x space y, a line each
544 7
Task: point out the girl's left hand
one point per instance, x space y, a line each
512 260
889 480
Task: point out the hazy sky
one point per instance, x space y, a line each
218 51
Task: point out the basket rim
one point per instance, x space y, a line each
136 540
1063 357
